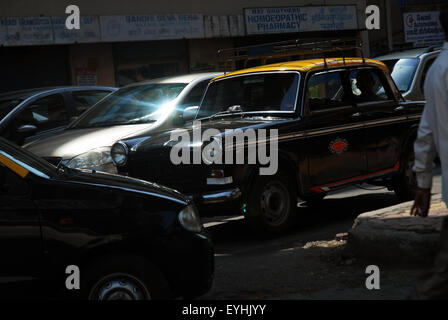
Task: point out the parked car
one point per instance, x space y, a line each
408 69
141 107
339 121
31 113
129 238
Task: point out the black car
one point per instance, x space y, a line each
340 121
31 113
130 239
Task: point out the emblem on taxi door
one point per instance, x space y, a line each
338 146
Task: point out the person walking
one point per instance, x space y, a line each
432 140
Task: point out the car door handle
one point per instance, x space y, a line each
356 115
399 108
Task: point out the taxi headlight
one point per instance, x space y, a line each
189 219
119 154
91 159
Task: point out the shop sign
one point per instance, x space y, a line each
86 77
28 31
3 32
89 30
300 19
422 26
151 27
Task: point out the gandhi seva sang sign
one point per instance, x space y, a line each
151 27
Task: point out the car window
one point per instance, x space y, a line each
194 97
85 99
368 86
45 113
428 64
326 91
402 71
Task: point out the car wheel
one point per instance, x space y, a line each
405 183
271 207
125 278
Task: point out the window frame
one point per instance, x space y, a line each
194 87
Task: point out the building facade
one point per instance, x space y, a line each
121 42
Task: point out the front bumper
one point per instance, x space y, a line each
229 201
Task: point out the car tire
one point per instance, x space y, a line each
272 204
405 183
124 277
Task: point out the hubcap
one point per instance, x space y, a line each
119 286
275 203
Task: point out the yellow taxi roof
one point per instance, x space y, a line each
308 65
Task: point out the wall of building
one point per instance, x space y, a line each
96 58
118 7
119 63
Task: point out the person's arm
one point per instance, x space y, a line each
425 151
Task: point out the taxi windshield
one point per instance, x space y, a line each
264 92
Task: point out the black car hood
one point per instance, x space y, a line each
114 181
142 143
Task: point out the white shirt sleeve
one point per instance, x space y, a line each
425 146
425 150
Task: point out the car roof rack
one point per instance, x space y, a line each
287 49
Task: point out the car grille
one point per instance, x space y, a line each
53 160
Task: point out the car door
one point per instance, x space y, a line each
20 234
334 131
385 118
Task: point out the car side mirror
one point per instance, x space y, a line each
190 113
26 130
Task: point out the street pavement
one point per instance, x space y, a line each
308 262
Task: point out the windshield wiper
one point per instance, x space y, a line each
109 124
230 110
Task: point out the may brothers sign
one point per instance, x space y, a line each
300 19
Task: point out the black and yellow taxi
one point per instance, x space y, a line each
339 121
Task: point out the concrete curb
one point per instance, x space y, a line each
390 235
